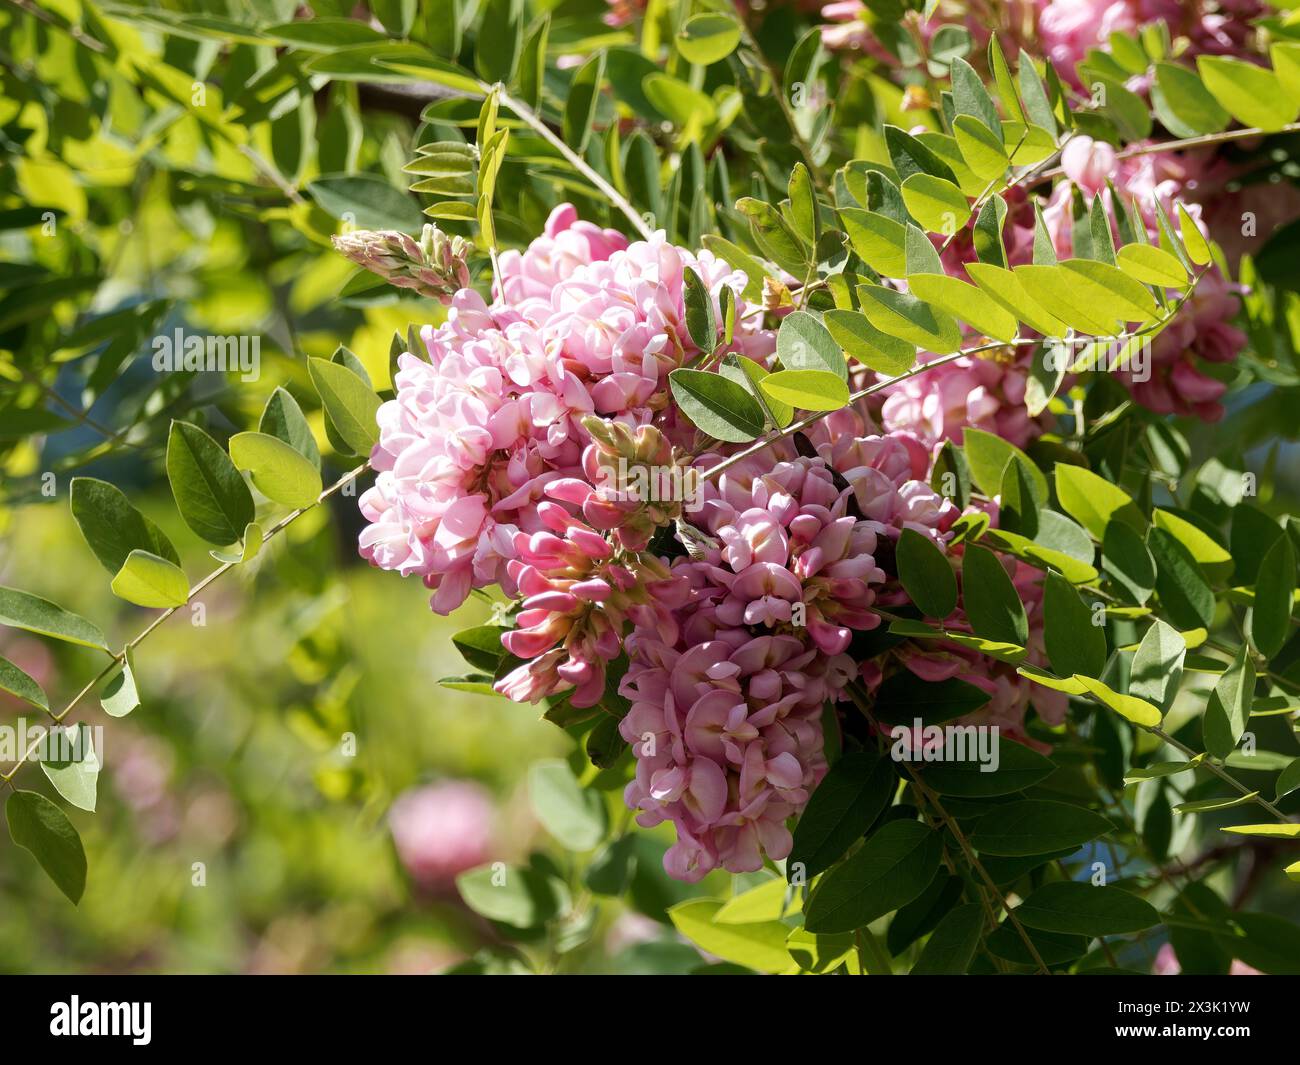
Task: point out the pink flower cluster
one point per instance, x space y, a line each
583 324
1067 29
726 705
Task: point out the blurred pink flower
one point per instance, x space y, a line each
440 830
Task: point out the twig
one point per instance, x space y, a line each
531 118
120 657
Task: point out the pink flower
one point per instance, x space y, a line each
727 734
587 324
566 244
441 830
1068 28
1088 163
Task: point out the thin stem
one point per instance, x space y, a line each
80 416
858 698
812 419
1205 140
118 658
1221 773
530 117
951 824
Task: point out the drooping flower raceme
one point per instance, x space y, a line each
586 325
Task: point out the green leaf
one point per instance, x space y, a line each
806 389
803 343
480 646
1093 501
1270 943
1276 831
350 403
1270 616
845 804
1006 289
1130 707
279 471
1151 265
1054 948
473 683
1203 548
748 373
989 455
971 98
770 901
819 954
120 695
937 203
580 104
212 497
1019 500
1158 665
893 867
75 776
981 148
1183 104
1074 644
926 574
245 550
966 302
366 201
1251 94
17 683
500 41
514 895
990 600
283 419
1098 296
904 696
878 351
324 34
38 826
1205 806
719 407
1036 826
911 157
112 527
1180 584
1037 105
759 946
708 38
1198 248
150 581
880 241
572 814
1125 558
1228 709
1071 906
902 315
701 321
22 610
952 944
1018 768
777 240
1288 780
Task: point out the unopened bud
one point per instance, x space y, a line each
434 266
